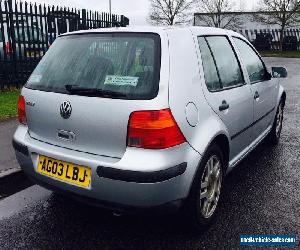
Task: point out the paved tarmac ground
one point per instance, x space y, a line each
7 155
261 196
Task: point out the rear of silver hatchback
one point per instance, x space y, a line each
95 122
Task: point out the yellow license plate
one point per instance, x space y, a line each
65 171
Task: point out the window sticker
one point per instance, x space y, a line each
35 78
121 80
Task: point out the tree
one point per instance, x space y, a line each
285 13
169 12
216 13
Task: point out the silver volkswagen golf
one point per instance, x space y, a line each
147 118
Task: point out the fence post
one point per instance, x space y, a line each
83 19
13 41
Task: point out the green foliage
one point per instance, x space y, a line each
8 104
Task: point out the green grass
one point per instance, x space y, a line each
287 54
8 104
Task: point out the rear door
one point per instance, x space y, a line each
226 92
264 88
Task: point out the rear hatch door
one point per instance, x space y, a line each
83 91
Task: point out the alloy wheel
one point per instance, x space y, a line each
211 182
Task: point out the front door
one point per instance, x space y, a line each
264 88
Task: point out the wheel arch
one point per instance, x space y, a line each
223 142
281 95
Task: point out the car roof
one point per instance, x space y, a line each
158 29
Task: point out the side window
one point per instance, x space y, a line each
255 67
210 70
226 61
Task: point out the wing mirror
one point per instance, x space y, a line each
279 72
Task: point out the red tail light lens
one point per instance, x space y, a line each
21 110
8 48
155 129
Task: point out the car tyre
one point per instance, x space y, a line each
275 133
203 202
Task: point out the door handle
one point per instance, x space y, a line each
256 95
224 106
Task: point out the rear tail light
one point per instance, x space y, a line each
21 110
155 129
8 48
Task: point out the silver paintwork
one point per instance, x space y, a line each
100 124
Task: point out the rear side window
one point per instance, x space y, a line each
219 50
255 67
209 67
125 63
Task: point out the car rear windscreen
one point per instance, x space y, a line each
125 63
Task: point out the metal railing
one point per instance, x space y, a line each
269 39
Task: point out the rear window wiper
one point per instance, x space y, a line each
93 92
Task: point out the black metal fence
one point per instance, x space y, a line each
269 39
27 30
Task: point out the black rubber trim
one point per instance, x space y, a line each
20 148
141 177
251 125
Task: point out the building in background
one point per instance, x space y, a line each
247 20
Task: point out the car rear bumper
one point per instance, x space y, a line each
169 207
142 179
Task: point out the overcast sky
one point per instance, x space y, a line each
135 10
